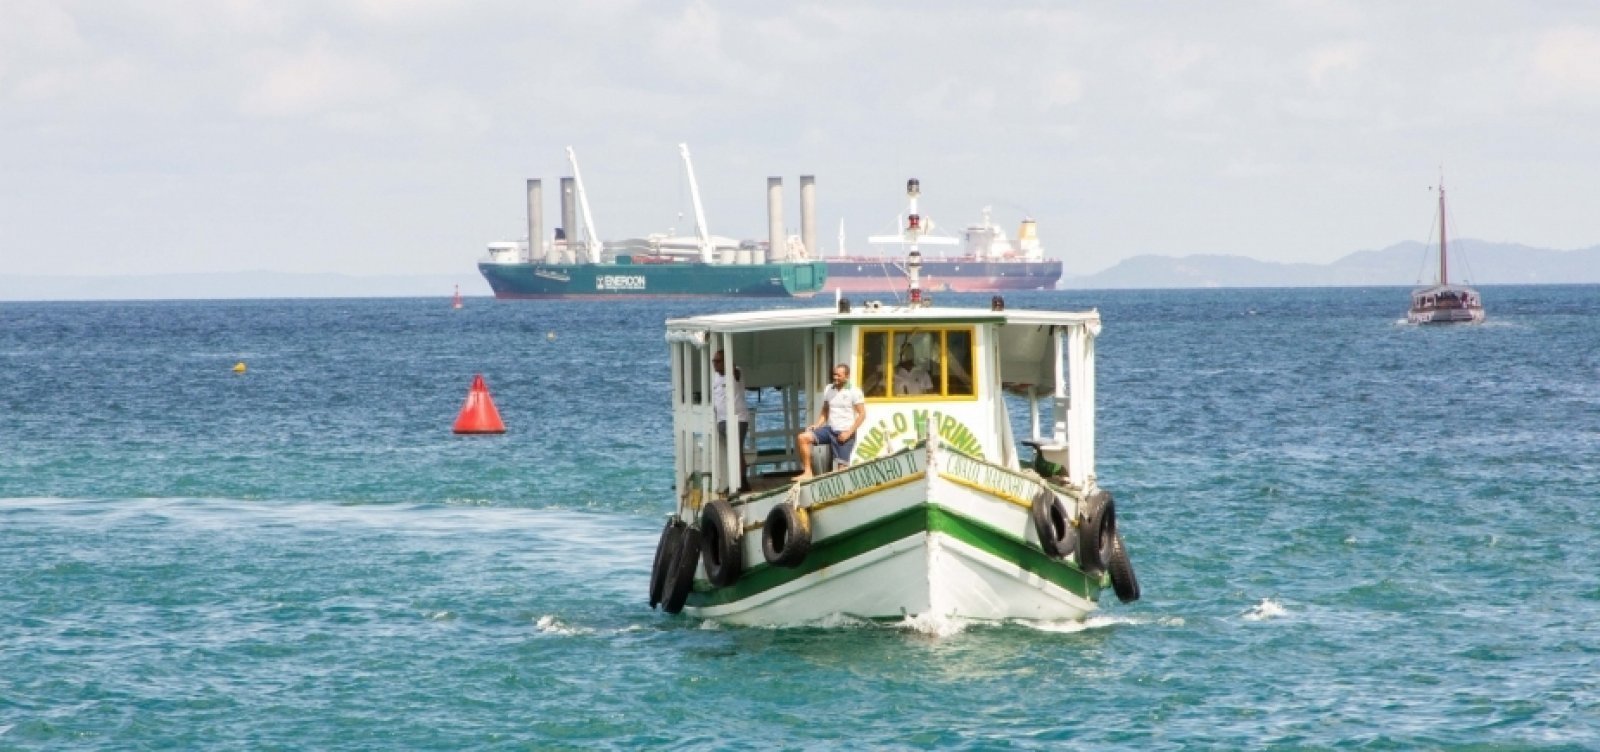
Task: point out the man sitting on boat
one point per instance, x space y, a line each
844 409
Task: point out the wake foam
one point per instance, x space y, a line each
551 625
1266 609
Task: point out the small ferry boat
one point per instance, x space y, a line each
1444 303
936 513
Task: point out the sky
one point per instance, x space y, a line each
395 136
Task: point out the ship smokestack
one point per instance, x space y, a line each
778 242
535 220
1028 240
569 220
808 214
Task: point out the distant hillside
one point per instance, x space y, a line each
1473 261
239 285
1403 264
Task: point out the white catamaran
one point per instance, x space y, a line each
935 514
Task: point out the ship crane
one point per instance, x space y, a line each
707 250
591 246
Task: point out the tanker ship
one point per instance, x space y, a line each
579 265
986 262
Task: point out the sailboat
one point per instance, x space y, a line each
1445 303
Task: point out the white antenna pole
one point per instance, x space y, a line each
591 247
841 238
707 252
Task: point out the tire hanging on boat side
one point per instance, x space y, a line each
1053 524
666 548
1123 581
1097 529
721 549
786 536
680 575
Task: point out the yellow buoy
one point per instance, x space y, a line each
550 336
238 367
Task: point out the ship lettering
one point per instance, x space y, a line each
619 282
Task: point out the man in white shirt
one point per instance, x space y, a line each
844 409
909 379
741 409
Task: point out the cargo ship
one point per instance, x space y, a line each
579 265
987 262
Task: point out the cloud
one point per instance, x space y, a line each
1326 63
314 80
1566 64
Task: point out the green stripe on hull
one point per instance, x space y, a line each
923 518
525 280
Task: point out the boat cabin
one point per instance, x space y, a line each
954 376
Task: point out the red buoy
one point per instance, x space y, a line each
479 415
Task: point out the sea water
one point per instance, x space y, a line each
1350 532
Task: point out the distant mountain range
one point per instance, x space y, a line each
1405 264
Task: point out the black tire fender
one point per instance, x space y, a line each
722 549
1097 529
1123 580
1053 524
786 536
666 548
680 575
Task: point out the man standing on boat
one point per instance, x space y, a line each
844 409
741 409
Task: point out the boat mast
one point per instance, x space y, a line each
707 252
913 229
1444 274
591 247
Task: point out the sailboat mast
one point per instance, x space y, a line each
1444 269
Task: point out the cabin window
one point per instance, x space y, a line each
917 363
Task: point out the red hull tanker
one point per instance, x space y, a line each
987 262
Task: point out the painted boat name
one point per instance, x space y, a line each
899 428
990 477
862 477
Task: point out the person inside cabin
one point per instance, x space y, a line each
909 378
844 409
875 374
741 408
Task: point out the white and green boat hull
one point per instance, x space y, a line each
891 539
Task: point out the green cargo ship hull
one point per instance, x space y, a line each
628 280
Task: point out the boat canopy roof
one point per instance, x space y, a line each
1023 346
868 315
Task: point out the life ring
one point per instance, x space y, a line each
786 536
1123 581
666 548
722 550
1097 529
1053 524
680 573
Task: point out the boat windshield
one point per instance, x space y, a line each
917 363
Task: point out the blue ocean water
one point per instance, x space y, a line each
1351 533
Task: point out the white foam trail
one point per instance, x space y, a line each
934 626
551 625
1098 621
1266 609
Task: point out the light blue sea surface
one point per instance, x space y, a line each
1351 533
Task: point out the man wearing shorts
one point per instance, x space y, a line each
844 409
